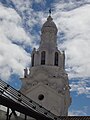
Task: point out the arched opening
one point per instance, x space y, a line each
32 60
43 54
56 59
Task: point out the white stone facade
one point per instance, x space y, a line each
47 82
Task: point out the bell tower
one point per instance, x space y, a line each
47 81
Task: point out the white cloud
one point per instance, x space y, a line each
9 14
74 22
13 58
75 25
13 37
29 16
77 113
11 28
40 1
82 86
22 5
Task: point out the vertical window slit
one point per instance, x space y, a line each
56 59
43 54
32 60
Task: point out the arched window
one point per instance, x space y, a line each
32 60
43 54
56 59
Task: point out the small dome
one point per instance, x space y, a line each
49 23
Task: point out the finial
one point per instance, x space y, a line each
50 11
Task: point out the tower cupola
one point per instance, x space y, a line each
49 26
48 53
49 34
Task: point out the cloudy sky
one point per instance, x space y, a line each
20 25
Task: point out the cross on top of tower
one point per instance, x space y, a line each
50 11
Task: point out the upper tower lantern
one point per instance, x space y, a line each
48 53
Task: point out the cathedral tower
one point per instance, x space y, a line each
47 82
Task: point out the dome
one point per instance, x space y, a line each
49 24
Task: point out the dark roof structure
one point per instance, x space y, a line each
75 118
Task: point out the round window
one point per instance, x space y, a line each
41 97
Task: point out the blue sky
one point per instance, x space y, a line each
20 25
